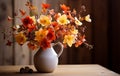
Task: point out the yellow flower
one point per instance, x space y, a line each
77 22
69 39
87 18
20 38
44 20
62 20
74 31
40 34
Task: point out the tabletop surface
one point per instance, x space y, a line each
61 70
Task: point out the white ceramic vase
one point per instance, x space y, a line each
46 61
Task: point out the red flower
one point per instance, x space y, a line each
64 7
51 35
27 20
31 28
45 5
32 46
55 25
44 44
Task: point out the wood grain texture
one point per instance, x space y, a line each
100 31
22 53
114 36
6 52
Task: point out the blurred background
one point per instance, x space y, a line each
103 33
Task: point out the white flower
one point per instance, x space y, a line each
77 22
87 18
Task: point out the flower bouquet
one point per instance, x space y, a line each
40 29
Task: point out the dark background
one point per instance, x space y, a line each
103 33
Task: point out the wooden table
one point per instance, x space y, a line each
61 70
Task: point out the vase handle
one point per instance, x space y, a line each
61 48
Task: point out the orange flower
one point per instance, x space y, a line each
32 46
47 26
40 34
22 12
20 38
33 8
64 7
80 41
46 6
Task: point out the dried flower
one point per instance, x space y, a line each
87 18
69 39
44 20
20 38
50 26
62 20
64 7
